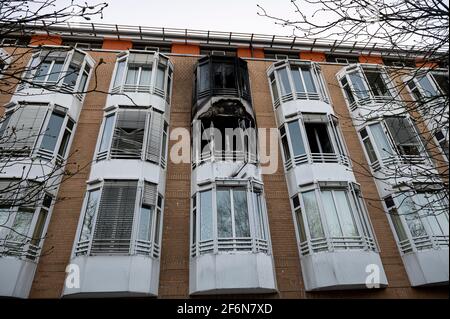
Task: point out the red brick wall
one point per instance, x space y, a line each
174 274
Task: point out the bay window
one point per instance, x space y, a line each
420 219
28 126
365 84
23 218
68 69
312 138
143 73
331 217
406 142
404 135
134 133
228 217
111 210
296 80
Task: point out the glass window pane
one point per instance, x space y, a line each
397 222
39 228
21 226
119 73
442 81
88 222
331 214
384 149
83 81
284 81
427 87
206 231
132 75
408 210
274 87
370 151
42 71
52 133
107 133
242 225
64 143
345 214
157 225
128 134
403 134
229 74
376 82
72 75
56 71
287 153
160 73
300 225
146 75
145 223
296 138
296 76
309 81
313 214
358 85
259 217
224 222
204 78
5 214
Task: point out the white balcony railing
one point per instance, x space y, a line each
134 88
226 156
315 158
424 242
19 249
402 160
237 244
116 247
337 243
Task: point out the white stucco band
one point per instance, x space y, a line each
119 276
16 277
427 267
228 273
340 270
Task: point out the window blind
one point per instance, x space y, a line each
114 223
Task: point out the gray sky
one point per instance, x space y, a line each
217 15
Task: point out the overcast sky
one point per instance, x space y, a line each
217 15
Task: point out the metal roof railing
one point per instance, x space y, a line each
191 36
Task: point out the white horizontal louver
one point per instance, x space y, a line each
113 229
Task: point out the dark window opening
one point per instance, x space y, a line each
318 138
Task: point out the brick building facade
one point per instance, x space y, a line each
176 265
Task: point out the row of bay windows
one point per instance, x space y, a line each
229 216
24 213
312 138
121 217
364 84
37 129
299 80
143 73
67 70
332 216
133 133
